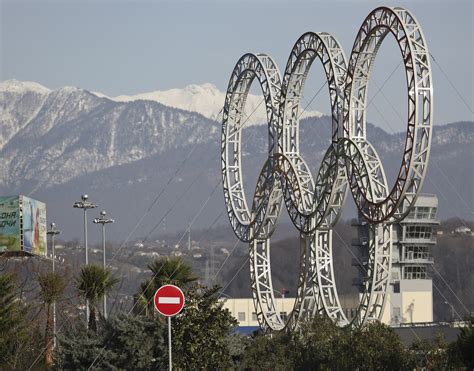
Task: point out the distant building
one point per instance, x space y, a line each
244 311
411 289
463 230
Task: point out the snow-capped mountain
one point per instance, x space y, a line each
57 144
53 136
205 99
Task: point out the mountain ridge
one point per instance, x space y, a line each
62 143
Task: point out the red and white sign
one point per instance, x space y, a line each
169 300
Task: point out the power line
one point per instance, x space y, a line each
452 84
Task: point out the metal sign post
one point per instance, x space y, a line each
169 343
169 300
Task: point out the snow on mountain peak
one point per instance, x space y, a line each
21 87
205 99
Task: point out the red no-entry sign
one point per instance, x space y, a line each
169 300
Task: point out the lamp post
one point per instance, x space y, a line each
53 232
102 219
85 205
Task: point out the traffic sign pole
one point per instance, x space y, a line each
169 300
169 341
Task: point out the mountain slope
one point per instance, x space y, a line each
60 144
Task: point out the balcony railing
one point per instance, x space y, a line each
413 240
427 260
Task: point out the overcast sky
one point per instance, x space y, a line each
119 47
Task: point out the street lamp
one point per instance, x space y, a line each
85 205
102 219
53 232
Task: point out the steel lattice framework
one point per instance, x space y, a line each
350 164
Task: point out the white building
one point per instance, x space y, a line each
411 289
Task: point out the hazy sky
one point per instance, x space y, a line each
120 47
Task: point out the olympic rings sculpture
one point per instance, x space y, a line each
350 164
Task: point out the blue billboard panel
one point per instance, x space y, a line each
10 224
34 226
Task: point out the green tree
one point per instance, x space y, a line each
376 346
201 330
430 354
52 287
124 342
270 352
171 270
166 270
13 328
461 352
144 298
322 345
93 283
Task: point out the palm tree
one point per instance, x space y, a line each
93 283
166 270
171 270
52 287
144 298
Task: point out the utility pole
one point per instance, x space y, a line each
53 232
85 205
102 219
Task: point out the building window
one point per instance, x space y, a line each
415 272
283 316
241 316
413 252
418 232
396 288
254 316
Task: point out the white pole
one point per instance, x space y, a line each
54 302
87 261
169 341
103 247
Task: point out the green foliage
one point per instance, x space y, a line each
77 349
51 288
166 270
430 354
200 332
323 345
171 270
51 285
93 283
144 299
376 346
124 342
461 352
19 339
275 352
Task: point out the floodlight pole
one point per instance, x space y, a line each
85 204
53 232
102 219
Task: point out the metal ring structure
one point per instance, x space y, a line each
249 67
308 203
414 51
351 162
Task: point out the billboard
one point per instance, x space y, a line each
22 225
10 239
34 225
